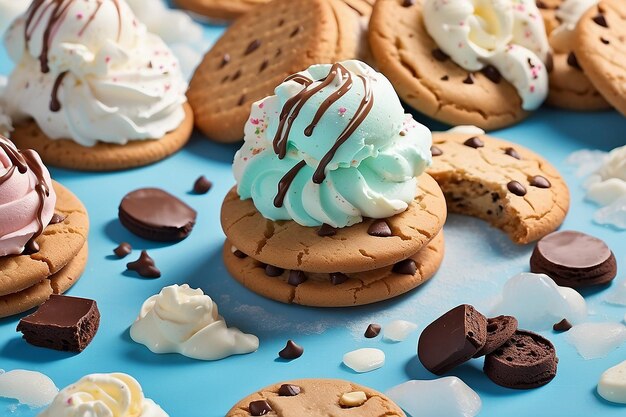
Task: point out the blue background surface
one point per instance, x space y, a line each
478 261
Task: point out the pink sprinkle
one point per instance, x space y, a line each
107 59
342 111
254 121
261 105
79 16
532 88
167 87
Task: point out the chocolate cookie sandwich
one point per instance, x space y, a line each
92 89
332 206
43 231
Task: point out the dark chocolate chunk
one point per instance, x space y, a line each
337 278
439 55
295 31
469 79
264 65
156 215
408 3
549 62
326 230
296 278
574 259
604 41
406 267
474 142
499 331
516 188
253 46
541 4
123 250
62 323
239 254
527 360
57 218
144 266
289 390
540 182
379 228
202 185
291 351
600 20
492 74
512 153
237 75
452 339
259 408
445 78
372 331
572 61
562 326
273 271
435 151
242 100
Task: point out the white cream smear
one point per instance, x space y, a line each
443 397
398 330
596 340
364 360
30 388
612 384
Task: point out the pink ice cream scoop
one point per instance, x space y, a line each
27 198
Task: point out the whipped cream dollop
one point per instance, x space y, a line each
184 320
568 14
507 34
27 198
89 71
333 145
103 395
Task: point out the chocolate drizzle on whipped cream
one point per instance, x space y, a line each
294 105
57 11
22 161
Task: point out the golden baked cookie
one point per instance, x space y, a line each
316 398
507 185
104 156
322 290
288 245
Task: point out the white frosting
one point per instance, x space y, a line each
568 13
122 83
442 397
399 330
364 360
30 388
103 395
508 34
184 320
612 384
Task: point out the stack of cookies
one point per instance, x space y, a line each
43 232
332 205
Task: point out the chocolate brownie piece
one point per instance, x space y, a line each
62 323
499 331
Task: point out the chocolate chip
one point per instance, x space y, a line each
604 41
57 218
469 79
549 62
123 250
492 74
439 55
259 408
144 266
600 20
202 185
474 142
326 230
372 331
264 65
379 229
237 75
512 153
295 31
242 100
516 188
562 326
273 271
31 248
225 60
445 78
406 267
291 351
289 390
572 61
337 278
495 197
435 151
296 278
253 46
239 254
541 4
540 182
408 3
278 52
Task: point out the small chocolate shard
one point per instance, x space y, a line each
562 326
144 266
469 79
289 390
57 218
337 278
379 229
259 408
372 331
253 46
123 250
202 185
600 20
291 351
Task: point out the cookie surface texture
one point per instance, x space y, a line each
290 246
315 398
65 153
404 52
503 183
322 289
255 54
601 50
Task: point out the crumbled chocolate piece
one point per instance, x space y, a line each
202 185
372 331
123 250
291 351
144 266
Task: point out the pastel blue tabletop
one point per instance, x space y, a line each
478 261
